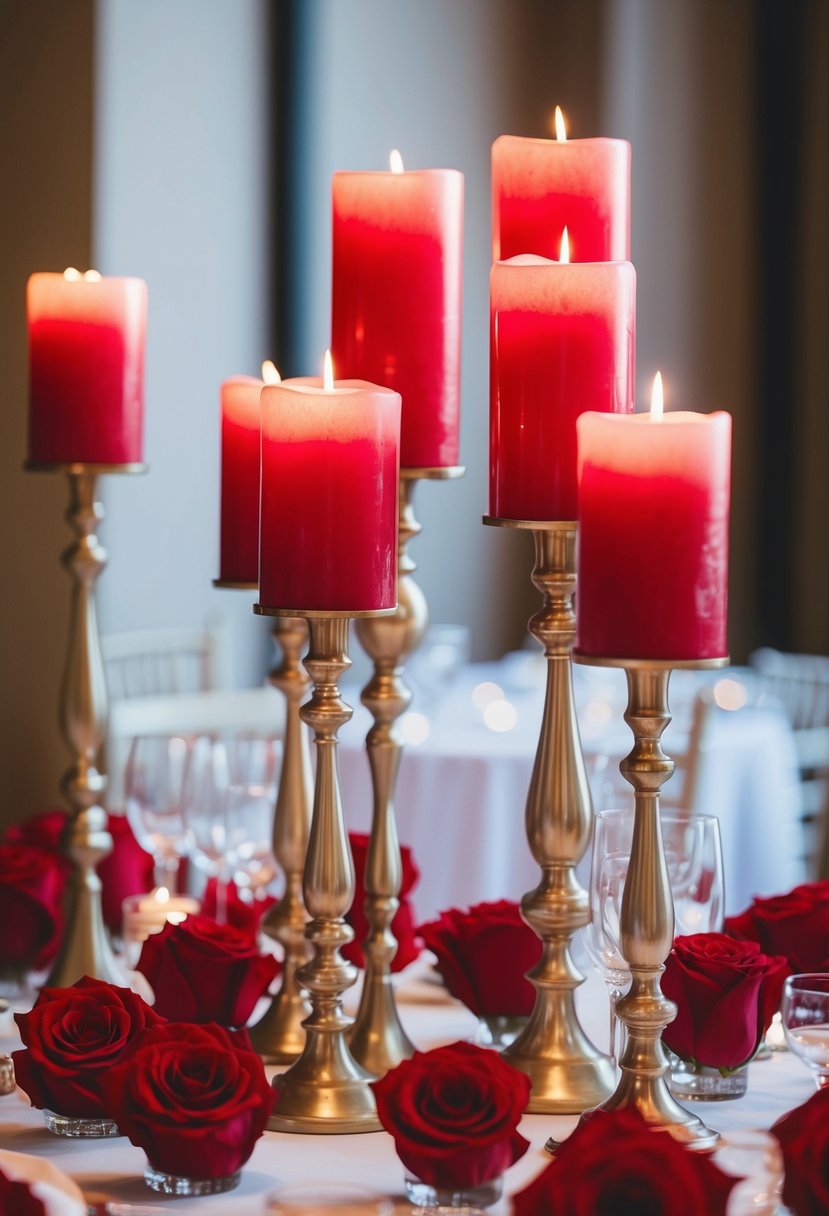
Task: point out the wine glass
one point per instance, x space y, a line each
204 810
805 1013
153 783
693 854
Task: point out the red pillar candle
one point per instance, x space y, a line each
330 466
86 368
562 341
239 553
397 298
653 535
541 185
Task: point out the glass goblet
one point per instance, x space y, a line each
253 770
153 783
805 1011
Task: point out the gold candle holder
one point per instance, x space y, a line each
568 1072
85 948
646 922
326 1090
278 1036
377 1038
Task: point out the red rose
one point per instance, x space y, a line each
194 1100
615 1162
16 1198
453 1113
204 972
243 914
127 870
483 955
804 1138
72 1037
32 881
796 925
727 992
402 926
44 830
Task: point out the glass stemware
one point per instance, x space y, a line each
805 1013
154 780
694 859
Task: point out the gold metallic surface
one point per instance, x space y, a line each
568 1072
326 1090
279 1036
377 1037
85 949
647 915
230 584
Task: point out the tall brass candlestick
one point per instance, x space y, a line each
326 1090
279 1036
646 921
378 1040
85 949
568 1072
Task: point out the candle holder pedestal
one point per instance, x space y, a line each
325 1090
278 1037
85 949
568 1072
377 1038
646 922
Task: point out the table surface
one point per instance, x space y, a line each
113 1169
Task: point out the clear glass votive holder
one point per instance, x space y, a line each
698 1082
755 1158
177 1184
424 1195
72 1125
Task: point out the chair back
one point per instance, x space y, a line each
160 662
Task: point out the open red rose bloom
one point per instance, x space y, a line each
204 972
726 992
32 880
795 924
73 1037
190 1097
804 1138
615 1163
483 955
453 1113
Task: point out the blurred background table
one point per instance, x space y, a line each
469 752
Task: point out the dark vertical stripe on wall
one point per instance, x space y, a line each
780 95
290 39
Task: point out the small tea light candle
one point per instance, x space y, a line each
147 914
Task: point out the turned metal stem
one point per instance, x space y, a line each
279 1036
326 1090
568 1072
85 949
377 1037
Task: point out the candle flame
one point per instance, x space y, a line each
564 255
561 129
92 276
162 895
657 397
395 161
327 372
270 372
72 275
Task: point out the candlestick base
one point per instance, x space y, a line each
568 1072
377 1038
646 922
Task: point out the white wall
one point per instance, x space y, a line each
181 199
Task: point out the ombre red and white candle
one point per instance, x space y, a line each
396 317
653 536
330 469
86 368
240 405
541 185
562 341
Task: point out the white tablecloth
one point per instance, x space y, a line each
461 792
113 1169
